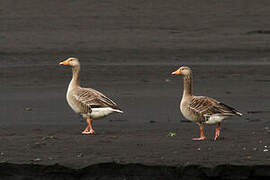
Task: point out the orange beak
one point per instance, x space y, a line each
65 63
178 71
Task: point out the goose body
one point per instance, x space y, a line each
202 109
90 103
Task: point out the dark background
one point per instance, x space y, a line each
127 51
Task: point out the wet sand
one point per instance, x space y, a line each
127 51
37 123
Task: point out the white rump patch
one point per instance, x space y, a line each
216 118
101 112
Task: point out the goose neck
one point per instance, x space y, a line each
187 85
75 81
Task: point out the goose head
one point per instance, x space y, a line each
70 62
183 70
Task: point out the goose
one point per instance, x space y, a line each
201 109
90 103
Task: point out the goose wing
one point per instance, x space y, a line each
88 98
206 106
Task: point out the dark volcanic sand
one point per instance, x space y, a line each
127 51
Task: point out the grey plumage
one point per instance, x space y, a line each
204 107
87 98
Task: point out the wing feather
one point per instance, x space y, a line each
204 107
88 98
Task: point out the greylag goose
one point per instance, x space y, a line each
202 109
88 102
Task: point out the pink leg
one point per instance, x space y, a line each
217 131
89 129
202 136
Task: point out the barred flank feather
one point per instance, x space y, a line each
205 106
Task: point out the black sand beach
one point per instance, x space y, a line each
127 51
